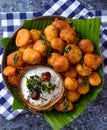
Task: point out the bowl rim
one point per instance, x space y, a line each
36 107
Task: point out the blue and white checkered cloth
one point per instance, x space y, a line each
68 8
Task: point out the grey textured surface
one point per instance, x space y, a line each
95 115
22 5
95 4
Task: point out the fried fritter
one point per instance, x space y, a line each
60 24
94 79
61 64
86 46
50 32
31 56
73 53
68 35
35 35
70 83
15 59
93 60
23 37
40 47
58 45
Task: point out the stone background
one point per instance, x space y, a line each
35 5
94 117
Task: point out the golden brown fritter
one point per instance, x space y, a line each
93 60
86 46
83 85
35 35
72 95
71 72
61 106
58 45
50 32
60 24
9 71
23 37
73 53
51 58
31 56
13 80
30 45
83 69
15 59
40 47
61 64
68 35
94 79
70 83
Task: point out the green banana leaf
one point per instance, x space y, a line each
86 28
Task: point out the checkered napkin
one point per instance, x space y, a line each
11 21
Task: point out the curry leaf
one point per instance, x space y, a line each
15 58
84 81
48 50
43 38
36 82
67 49
66 105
